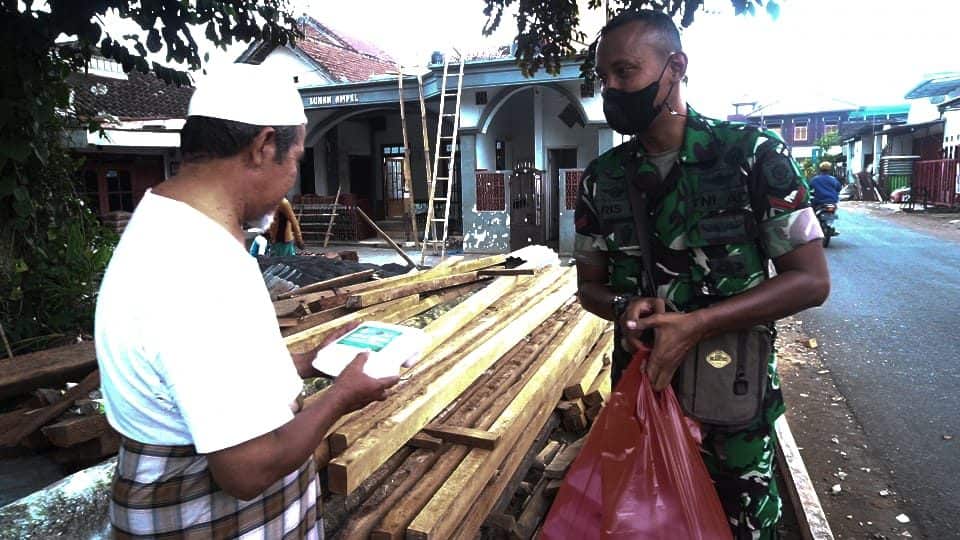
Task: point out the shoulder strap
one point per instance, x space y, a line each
759 204
641 220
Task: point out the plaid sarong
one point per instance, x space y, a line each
169 492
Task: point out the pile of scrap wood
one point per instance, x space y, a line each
476 435
512 366
70 420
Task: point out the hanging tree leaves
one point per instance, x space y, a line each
547 30
52 248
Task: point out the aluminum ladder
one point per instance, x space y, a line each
440 187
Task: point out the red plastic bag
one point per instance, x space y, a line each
639 474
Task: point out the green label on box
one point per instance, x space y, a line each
371 338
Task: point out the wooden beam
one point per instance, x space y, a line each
427 442
517 470
439 519
467 436
349 469
473 265
72 431
510 271
495 489
386 237
339 511
391 490
533 513
409 211
337 297
449 337
561 462
546 454
312 337
587 372
573 415
332 283
810 515
467 324
599 391
19 424
366 299
499 520
449 261
309 321
473 408
52 367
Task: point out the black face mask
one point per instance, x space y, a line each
631 113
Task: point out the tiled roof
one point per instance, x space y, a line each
139 97
345 58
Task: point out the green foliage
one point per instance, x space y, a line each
53 249
810 167
547 29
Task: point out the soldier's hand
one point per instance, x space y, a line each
638 308
674 335
354 389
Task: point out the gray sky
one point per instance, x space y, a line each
861 52
864 52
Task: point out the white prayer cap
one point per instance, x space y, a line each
249 94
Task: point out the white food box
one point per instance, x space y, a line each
389 346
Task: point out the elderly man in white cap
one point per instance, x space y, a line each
194 371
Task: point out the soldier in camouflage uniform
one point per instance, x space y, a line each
724 199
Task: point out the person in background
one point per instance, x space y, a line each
285 231
826 188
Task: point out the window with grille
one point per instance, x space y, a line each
831 129
119 190
572 180
90 189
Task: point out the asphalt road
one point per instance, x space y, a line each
890 334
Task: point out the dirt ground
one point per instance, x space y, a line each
834 447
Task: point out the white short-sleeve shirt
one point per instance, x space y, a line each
186 336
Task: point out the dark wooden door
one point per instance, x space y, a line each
526 207
393 192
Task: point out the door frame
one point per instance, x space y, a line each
393 155
552 192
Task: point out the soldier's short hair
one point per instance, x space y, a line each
654 21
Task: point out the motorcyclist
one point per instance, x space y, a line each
826 187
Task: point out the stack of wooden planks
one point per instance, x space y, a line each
436 458
513 365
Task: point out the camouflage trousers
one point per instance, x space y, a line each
742 464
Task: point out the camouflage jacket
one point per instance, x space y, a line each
733 200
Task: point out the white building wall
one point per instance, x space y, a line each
921 110
513 124
951 130
285 61
556 134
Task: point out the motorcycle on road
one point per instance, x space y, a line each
827 216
